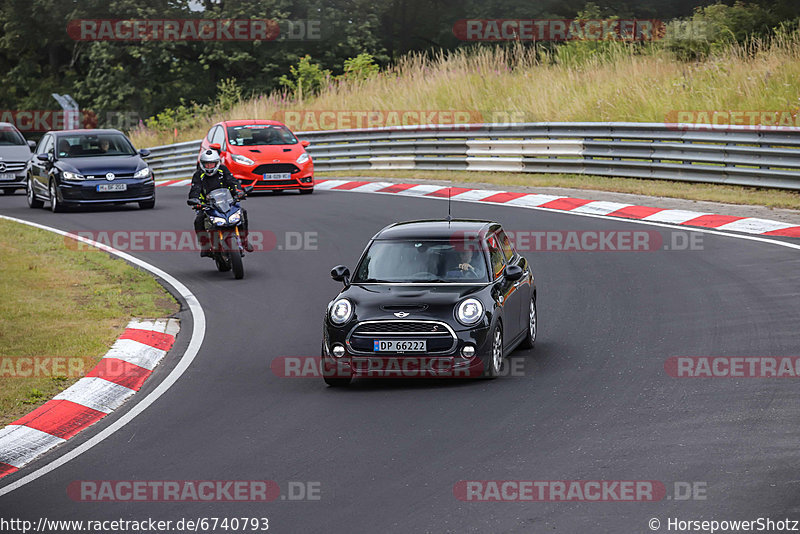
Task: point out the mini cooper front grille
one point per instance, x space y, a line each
439 337
401 327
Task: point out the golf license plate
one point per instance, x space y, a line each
7 176
396 345
108 188
277 176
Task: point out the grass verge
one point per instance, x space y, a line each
65 304
728 194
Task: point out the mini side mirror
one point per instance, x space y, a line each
513 272
340 273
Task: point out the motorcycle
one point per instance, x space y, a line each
223 217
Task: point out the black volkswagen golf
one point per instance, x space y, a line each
430 298
81 167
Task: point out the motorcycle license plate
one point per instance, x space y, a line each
277 176
107 188
396 345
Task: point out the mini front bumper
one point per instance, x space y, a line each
449 364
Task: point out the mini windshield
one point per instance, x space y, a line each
93 145
10 137
221 199
260 134
422 261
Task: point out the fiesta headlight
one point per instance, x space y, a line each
341 311
218 221
242 160
235 218
303 158
72 176
142 173
469 312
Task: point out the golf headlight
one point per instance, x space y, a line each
218 220
341 311
303 158
143 173
72 176
235 218
469 312
241 160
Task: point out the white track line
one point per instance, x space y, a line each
198 333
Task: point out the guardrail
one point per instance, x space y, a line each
750 156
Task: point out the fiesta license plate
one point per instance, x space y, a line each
277 176
109 188
7 176
393 345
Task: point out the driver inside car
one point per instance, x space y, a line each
210 176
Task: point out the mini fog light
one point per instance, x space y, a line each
468 352
338 351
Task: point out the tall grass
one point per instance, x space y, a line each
620 82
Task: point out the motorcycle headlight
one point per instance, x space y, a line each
241 160
72 176
218 220
341 311
469 312
303 158
143 173
235 218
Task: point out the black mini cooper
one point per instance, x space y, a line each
430 298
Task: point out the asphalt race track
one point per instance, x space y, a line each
593 403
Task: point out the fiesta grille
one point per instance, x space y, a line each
269 168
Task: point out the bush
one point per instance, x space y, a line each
360 67
306 78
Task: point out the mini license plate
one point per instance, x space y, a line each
278 176
393 345
107 188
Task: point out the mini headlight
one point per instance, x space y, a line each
218 220
469 312
241 160
341 311
142 173
302 158
233 219
72 176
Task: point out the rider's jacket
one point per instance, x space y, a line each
203 183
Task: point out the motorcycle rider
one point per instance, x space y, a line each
212 175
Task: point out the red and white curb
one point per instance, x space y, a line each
120 374
747 225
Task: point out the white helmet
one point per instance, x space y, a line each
210 162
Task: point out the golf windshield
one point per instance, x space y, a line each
221 199
399 261
81 145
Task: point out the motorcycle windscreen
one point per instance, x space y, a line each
221 199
